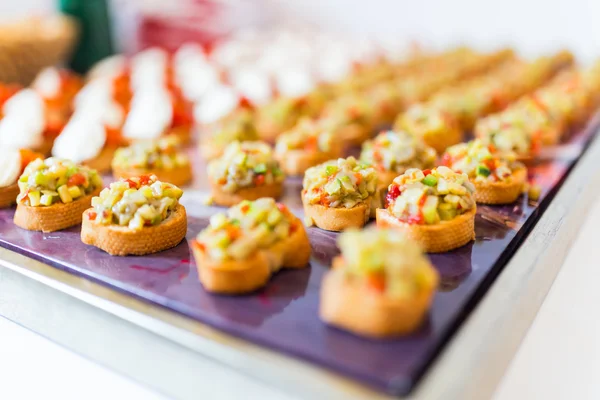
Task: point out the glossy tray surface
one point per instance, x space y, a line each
284 315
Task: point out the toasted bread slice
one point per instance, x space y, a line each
296 162
386 178
350 305
337 218
101 162
245 276
503 192
46 147
8 195
355 134
184 133
121 241
209 151
268 131
552 136
55 217
227 199
441 141
436 238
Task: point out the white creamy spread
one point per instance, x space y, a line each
48 83
113 115
334 66
253 84
82 138
10 166
150 115
216 104
188 53
97 97
294 82
109 67
231 53
148 68
197 78
24 121
194 75
94 92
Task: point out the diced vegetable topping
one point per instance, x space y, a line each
239 126
480 162
397 151
162 153
340 183
439 195
507 133
136 202
534 192
283 112
347 110
387 261
54 180
245 228
422 120
306 135
246 164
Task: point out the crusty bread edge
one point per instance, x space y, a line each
245 276
337 218
121 241
8 195
55 217
350 305
502 192
436 238
226 199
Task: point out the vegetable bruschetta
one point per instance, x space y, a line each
161 157
246 171
435 127
436 208
380 286
53 193
498 178
136 216
305 146
240 250
340 194
393 152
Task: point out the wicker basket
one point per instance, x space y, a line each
29 45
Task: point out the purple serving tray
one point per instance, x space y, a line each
284 316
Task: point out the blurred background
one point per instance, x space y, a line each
530 26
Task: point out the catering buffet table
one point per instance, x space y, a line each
155 318
89 318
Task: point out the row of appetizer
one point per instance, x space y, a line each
128 99
441 95
240 249
343 193
421 202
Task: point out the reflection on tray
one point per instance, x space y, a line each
454 267
155 272
493 222
324 245
283 288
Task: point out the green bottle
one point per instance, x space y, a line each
95 41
